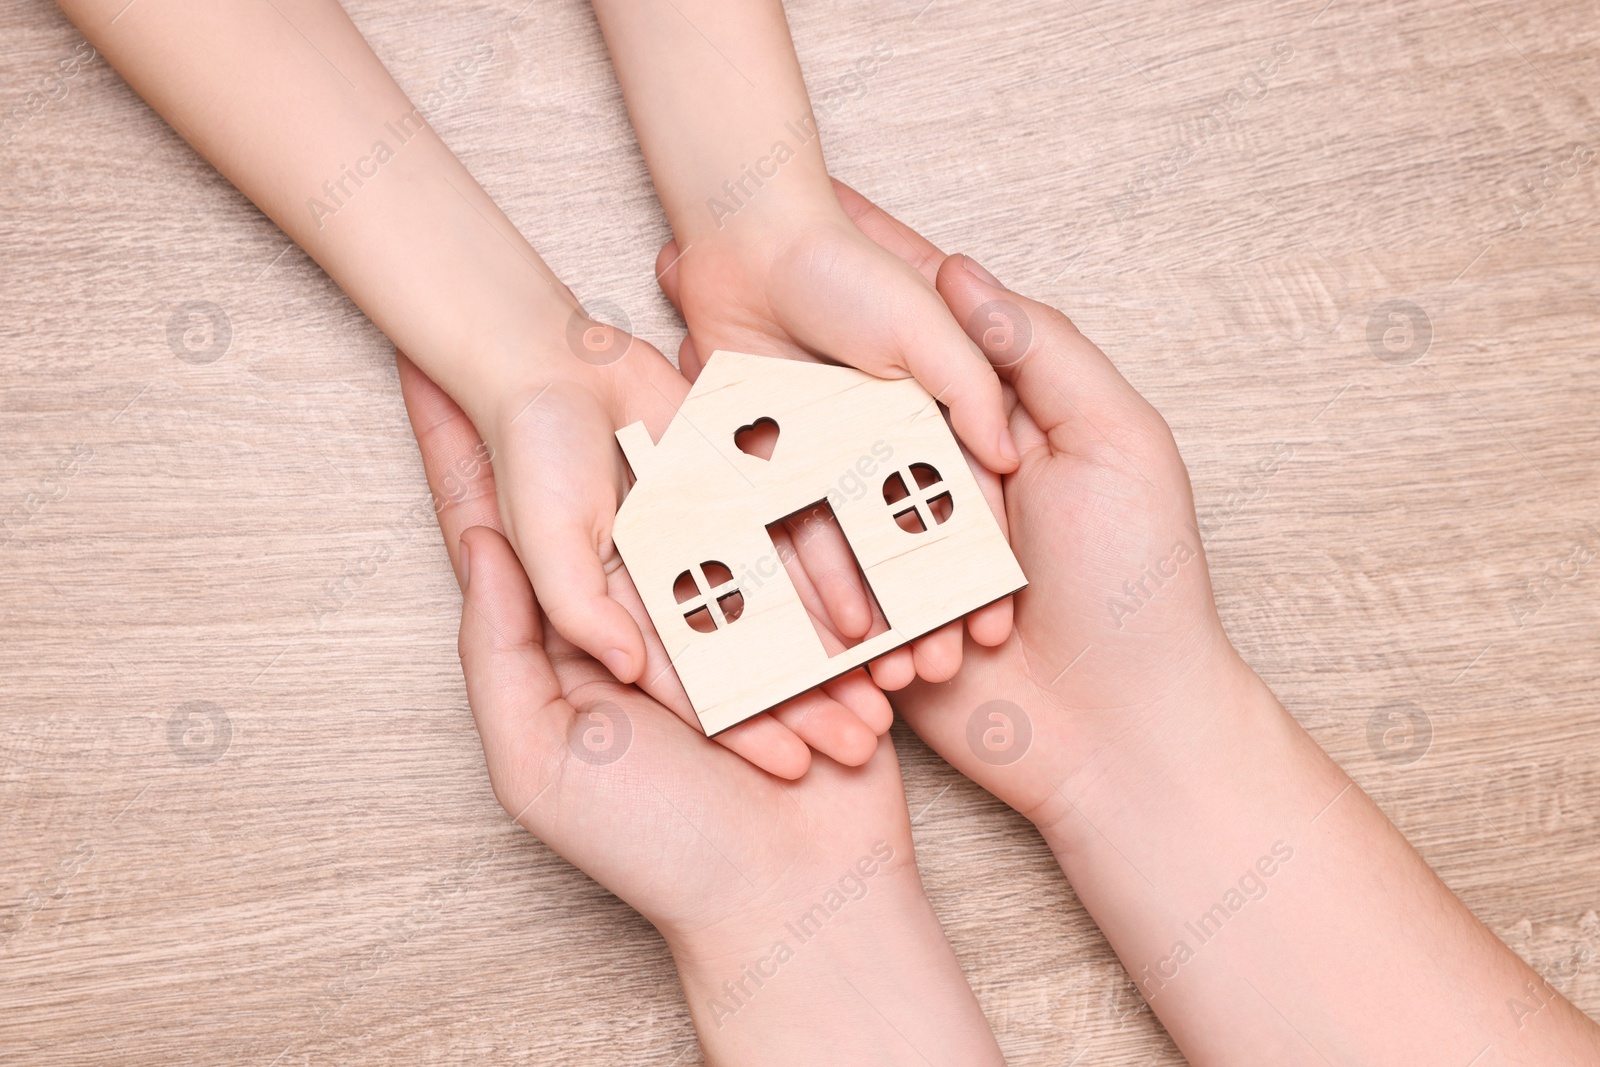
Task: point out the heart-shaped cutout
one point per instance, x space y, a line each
757 439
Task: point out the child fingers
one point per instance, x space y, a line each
768 744
658 679
826 558
570 581
938 654
960 378
941 356
828 726
973 397
561 523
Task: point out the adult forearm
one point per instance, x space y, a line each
1269 911
716 96
287 100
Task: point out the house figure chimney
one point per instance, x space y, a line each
637 446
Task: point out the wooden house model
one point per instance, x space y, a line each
693 530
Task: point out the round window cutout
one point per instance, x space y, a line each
917 498
708 597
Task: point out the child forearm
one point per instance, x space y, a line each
287 100
717 99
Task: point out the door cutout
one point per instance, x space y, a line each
805 527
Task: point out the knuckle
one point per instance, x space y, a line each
1055 326
464 498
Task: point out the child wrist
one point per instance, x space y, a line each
745 214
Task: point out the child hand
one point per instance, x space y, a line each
817 286
562 457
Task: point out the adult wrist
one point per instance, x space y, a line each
1165 753
864 952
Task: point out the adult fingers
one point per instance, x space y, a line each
889 233
991 625
1068 386
828 726
689 362
457 463
893 670
515 695
865 700
667 273
937 655
825 556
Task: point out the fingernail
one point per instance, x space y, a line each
617 662
466 563
975 269
1008 446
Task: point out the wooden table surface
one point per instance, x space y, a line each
1351 251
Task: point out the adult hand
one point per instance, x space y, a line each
1118 623
1241 876
779 899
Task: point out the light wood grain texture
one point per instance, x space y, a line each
694 534
243 813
